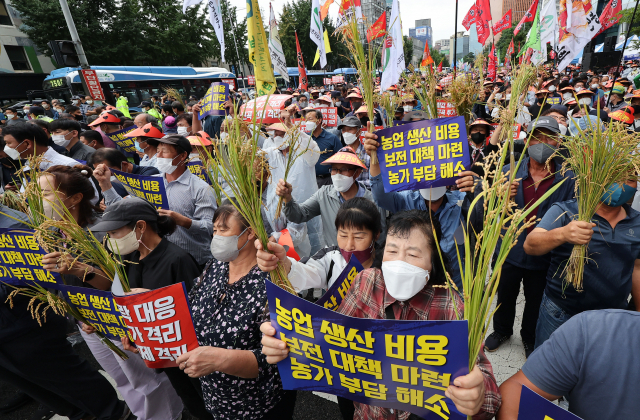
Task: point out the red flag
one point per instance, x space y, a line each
552 54
440 66
483 29
610 15
528 56
510 51
503 23
426 56
482 21
471 17
493 63
303 73
528 17
484 10
379 28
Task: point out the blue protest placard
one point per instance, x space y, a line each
535 407
196 168
150 188
214 99
423 154
97 307
338 290
21 260
403 365
125 143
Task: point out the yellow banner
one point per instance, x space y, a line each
327 48
259 51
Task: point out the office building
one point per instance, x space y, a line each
422 31
443 45
518 8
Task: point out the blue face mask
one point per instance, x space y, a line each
617 195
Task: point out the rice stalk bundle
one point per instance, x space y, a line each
176 94
389 103
424 90
599 158
465 91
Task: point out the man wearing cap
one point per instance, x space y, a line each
536 178
399 114
480 108
191 200
616 98
37 113
355 101
147 108
122 103
328 144
541 104
351 129
345 168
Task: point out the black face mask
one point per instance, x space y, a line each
356 105
478 138
364 120
78 117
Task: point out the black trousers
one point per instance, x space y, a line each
347 409
190 392
534 282
42 364
284 409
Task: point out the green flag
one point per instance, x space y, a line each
533 38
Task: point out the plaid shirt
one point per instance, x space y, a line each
368 298
366 159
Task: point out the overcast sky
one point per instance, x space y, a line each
441 13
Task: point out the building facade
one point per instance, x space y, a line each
518 8
18 54
422 31
443 45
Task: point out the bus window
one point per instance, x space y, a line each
177 85
148 88
126 89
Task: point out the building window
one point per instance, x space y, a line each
18 58
5 19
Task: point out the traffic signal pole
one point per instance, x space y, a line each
74 34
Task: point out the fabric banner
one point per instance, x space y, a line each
259 50
338 290
327 80
378 29
316 32
302 79
528 17
125 143
21 260
267 112
403 365
578 25
275 46
160 323
329 116
446 109
213 101
548 25
149 188
610 15
535 407
503 23
393 53
471 17
196 168
337 79
423 154
215 17
99 308
251 80
516 128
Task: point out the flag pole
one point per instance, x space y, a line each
624 47
455 43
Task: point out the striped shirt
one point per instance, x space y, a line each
191 197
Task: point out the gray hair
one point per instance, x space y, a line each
149 118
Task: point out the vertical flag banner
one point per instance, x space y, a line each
160 323
482 22
533 37
259 51
348 9
548 25
21 260
427 60
404 365
338 290
301 69
503 23
423 154
493 63
327 47
535 407
440 66
379 28
509 53
316 33
393 52
578 26
610 15
275 46
324 8
528 17
215 17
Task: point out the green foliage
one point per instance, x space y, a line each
469 58
296 16
125 32
505 39
407 46
240 30
438 57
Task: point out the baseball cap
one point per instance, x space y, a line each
350 121
125 211
145 103
619 89
545 122
178 141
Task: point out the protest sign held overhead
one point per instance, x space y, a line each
149 188
120 138
159 321
196 168
214 100
403 365
423 154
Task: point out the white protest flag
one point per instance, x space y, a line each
584 26
275 47
316 33
215 17
188 3
348 9
394 52
548 24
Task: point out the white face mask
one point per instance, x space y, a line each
498 96
508 97
53 212
322 106
60 140
594 86
579 88
433 194
224 136
310 127
183 130
567 96
407 108
194 156
552 88
342 183
45 106
584 101
349 138
280 143
11 116
125 245
271 134
90 102
165 165
403 280
12 153
75 102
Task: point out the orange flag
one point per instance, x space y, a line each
301 69
324 9
379 28
426 56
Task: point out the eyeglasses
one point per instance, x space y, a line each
343 171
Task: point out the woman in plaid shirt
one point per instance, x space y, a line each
411 285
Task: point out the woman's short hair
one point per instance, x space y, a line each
359 213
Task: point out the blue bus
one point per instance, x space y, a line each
137 83
315 77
